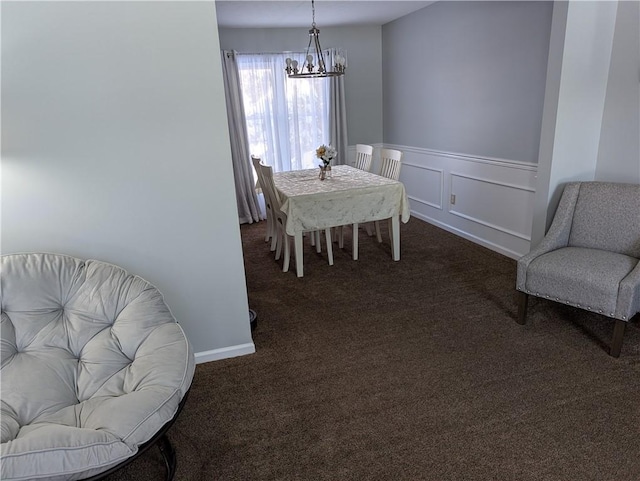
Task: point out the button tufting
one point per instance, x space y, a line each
65 340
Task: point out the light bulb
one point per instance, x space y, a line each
288 60
310 58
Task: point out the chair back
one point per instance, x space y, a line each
390 163
257 167
606 216
364 154
268 186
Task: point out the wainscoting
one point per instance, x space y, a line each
488 201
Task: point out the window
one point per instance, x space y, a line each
287 119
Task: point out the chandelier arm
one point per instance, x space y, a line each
309 65
322 66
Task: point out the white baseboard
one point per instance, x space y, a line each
225 353
477 240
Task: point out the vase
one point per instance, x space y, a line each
323 173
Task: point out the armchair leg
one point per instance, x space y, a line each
616 342
523 301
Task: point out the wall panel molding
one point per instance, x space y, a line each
437 201
508 193
493 197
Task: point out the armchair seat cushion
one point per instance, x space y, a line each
578 276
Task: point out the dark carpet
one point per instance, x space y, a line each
409 370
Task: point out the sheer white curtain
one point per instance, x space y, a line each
287 119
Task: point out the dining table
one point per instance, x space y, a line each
349 196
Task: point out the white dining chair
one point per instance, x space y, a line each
270 235
283 244
364 155
390 165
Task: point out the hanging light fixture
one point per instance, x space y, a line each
314 62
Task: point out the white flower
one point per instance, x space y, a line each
326 153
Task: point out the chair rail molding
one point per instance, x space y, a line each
486 200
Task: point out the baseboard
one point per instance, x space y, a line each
477 240
225 353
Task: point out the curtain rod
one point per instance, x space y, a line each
229 53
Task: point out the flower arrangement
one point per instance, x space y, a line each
326 154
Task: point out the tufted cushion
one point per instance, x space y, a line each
93 365
587 278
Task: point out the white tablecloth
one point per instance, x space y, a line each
349 196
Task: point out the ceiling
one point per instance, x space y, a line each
297 13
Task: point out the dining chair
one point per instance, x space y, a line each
364 155
271 224
283 244
390 165
270 235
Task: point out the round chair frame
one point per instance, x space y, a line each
166 450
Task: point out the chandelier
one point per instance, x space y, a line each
314 62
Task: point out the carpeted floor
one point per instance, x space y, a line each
409 370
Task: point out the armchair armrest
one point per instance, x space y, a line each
629 295
558 234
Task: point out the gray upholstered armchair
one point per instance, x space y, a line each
590 258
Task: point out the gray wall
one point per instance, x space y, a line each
115 147
619 149
363 81
467 77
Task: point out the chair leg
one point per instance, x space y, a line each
523 301
287 253
278 240
338 235
378 234
616 342
369 227
329 245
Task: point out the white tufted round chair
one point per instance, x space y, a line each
94 365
